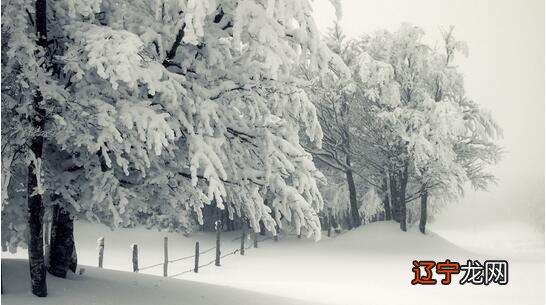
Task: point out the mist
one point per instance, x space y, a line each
504 72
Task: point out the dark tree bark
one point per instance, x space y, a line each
218 251
62 255
423 220
211 213
262 228
335 222
355 217
387 207
398 184
36 241
386 200
277 228
328 223
348 221
35 202
394 198
402 198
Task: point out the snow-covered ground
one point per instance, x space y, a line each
108 287
371 265
507 239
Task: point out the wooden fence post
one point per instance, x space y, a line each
217 260
243 237
135 258
100 243
196 267
255 236
165 255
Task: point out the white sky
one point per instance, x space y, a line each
504 73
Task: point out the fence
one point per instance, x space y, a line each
196 256
197 265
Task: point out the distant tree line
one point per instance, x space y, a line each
401 132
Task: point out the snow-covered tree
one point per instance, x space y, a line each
152 109
337 208
419 99
400 123
336 98
372 205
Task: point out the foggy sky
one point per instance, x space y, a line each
504 73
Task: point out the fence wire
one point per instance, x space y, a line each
178 259
232 252
181 258
229 253
151 266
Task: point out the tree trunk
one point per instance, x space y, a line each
277 227
328 223
387 207
262 228
335 222
423 220
394 198
36 241
355 217
62 256
386 199
35 203
36 210
47 239
402 198
348 221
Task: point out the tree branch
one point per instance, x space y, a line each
172 52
